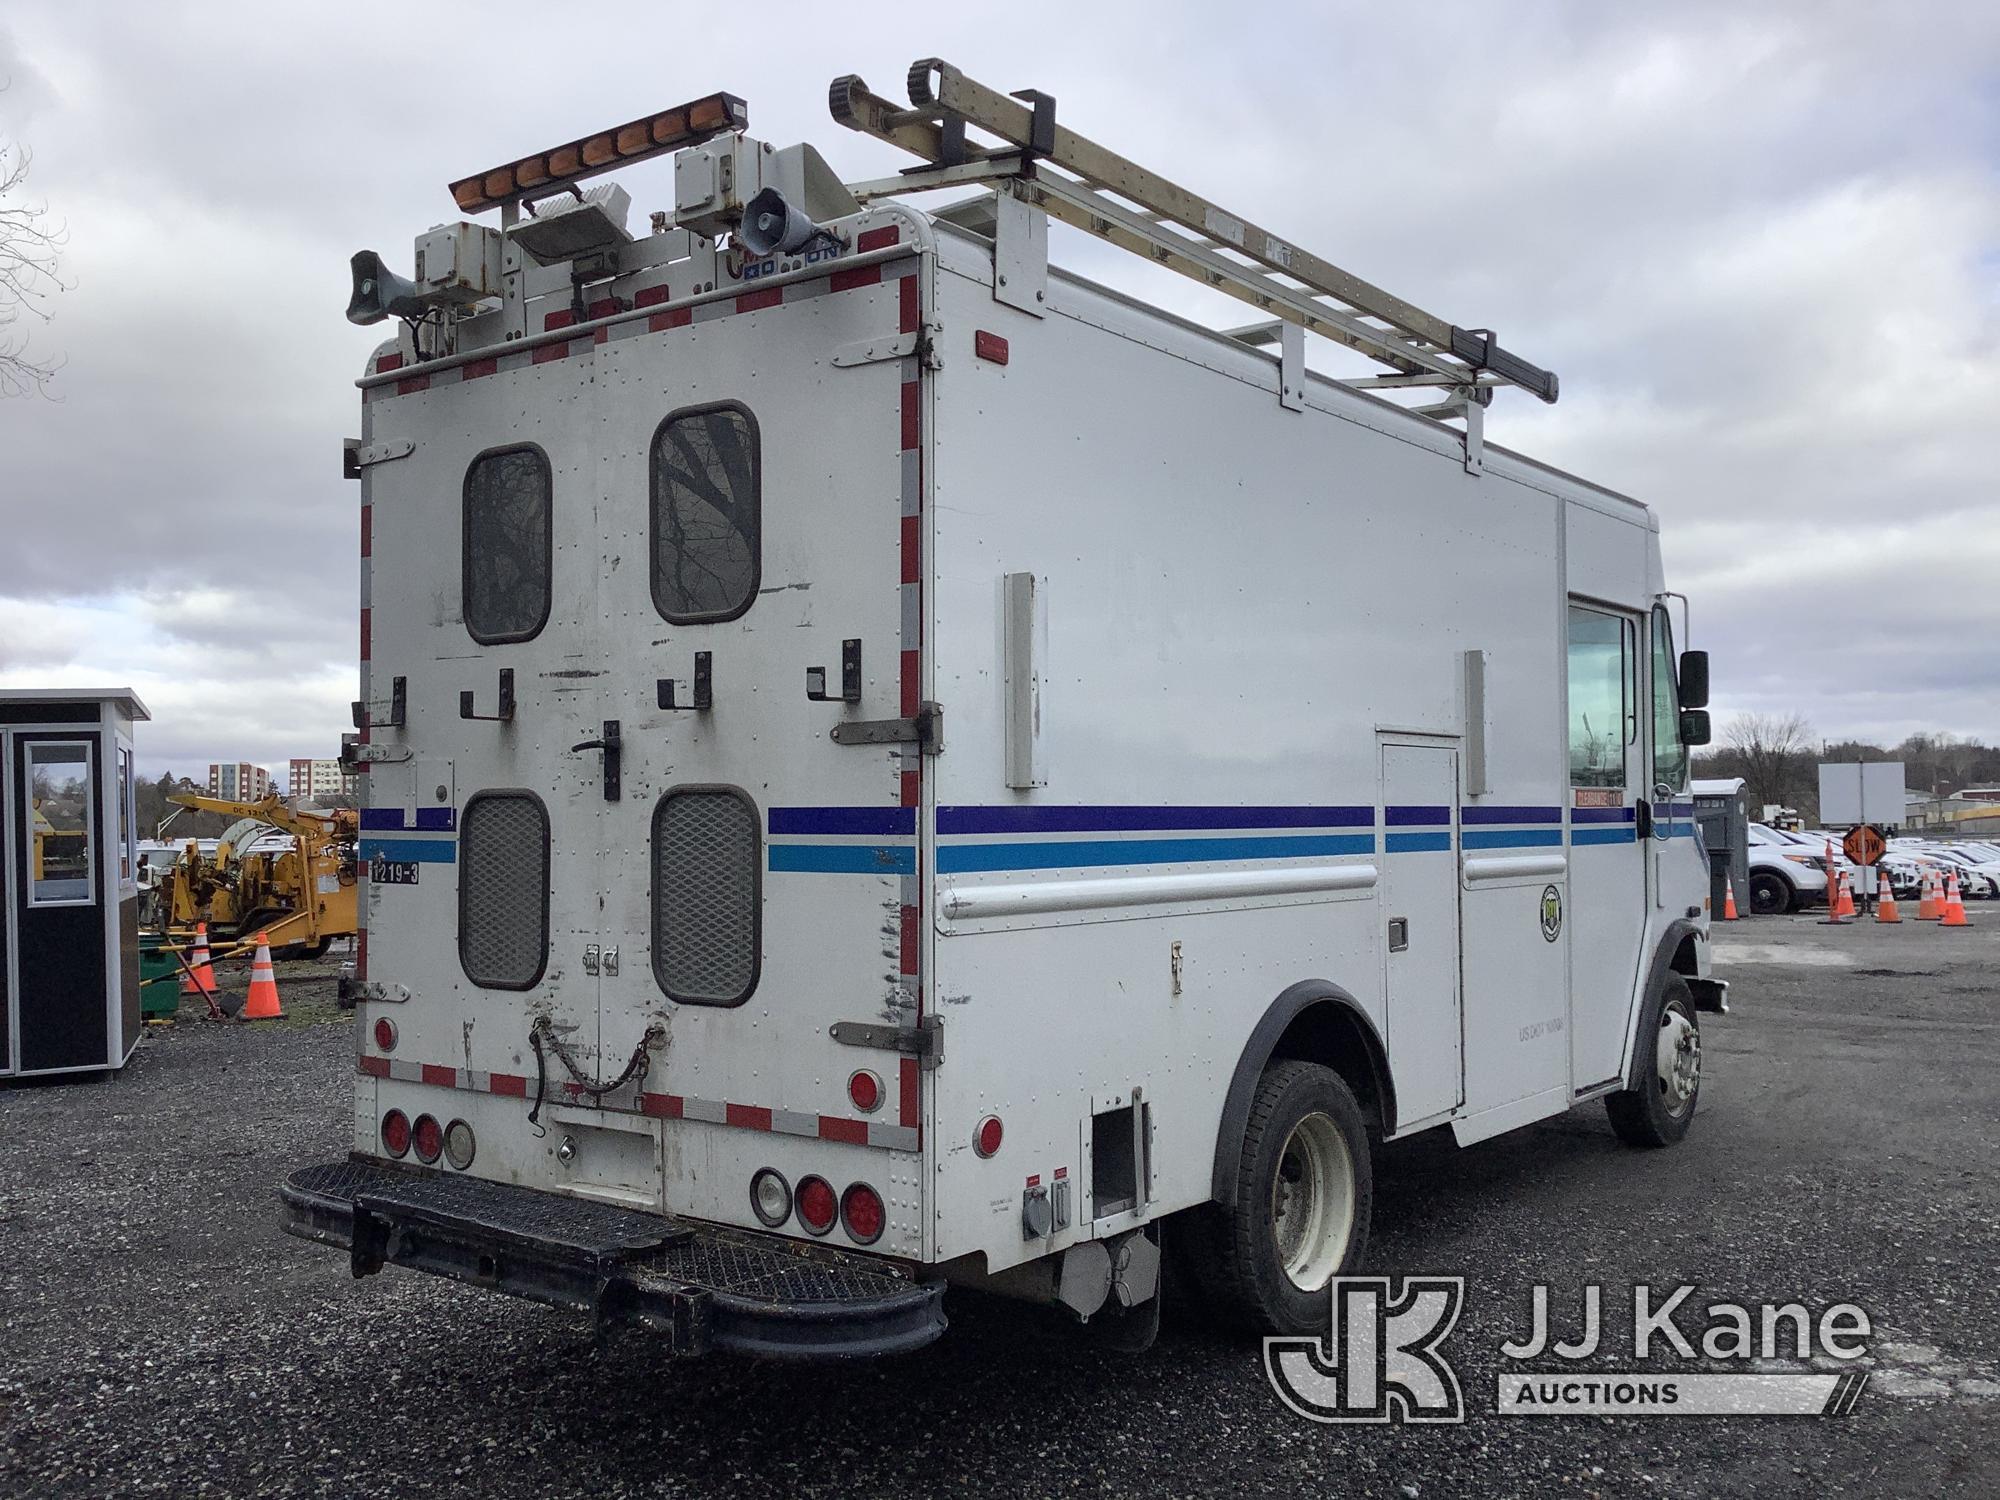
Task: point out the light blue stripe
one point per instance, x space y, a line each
1623 835
411 851
1512 838
1091 853
845 859
1417 843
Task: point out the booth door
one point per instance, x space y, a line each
57 954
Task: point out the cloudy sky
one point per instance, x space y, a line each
1761 245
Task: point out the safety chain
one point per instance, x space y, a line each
636 1067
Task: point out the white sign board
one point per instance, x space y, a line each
1856 792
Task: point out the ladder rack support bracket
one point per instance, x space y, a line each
1020 253
1291 367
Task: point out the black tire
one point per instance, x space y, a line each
1234 1254
1771 893
1653 1112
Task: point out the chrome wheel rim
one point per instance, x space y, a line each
1677 1061
1312 1202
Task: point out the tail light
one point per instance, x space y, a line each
861 1213
770 1198
864 1090
986 1139
385 1035
396 1133
428 1137
817 1205
459 1144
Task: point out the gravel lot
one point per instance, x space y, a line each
163 1337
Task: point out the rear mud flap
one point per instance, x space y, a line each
703 1287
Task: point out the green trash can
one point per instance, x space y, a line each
159 994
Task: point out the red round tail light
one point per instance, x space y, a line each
428 1137
861 1212
385 1034
986 1139
396 1133
816 1204
865 1090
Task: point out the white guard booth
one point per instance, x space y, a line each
69 937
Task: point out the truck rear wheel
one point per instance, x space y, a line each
1659 1107
1304 1189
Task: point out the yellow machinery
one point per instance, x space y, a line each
302 895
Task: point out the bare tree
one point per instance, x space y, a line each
29 247
1774 754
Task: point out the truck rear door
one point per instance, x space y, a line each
482 845
758 550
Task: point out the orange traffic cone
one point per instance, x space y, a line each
1846 894
1885 899
1838 908
198 978
1728 899
263 1002
1954 905
1929 908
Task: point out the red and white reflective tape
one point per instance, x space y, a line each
630 1100
630 322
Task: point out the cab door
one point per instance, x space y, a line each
1608 796
759 549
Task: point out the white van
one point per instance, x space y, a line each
891 765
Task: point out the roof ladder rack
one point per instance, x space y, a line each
1048 166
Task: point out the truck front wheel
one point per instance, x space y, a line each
1304 1189
1659 1107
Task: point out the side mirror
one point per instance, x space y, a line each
1694 727
1694 680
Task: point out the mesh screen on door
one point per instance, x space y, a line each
707 858
503 890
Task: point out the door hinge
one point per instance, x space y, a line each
871 351
923 1041
925 728
356 455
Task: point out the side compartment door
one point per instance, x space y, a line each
1608 868
1419 894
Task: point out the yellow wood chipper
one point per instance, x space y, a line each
278 870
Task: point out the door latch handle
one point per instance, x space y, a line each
590 952
1399 934
611 744
611 960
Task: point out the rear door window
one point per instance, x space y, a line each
708 858
707 500
508 536
503 890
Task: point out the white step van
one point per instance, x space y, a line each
890 765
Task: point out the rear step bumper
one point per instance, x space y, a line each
709 1288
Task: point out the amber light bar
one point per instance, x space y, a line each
548 171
